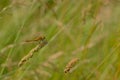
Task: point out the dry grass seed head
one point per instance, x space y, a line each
71 64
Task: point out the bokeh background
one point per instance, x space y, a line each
84 29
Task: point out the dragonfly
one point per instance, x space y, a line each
37 39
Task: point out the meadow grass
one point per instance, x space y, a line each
86 30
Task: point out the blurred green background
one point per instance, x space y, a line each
86 29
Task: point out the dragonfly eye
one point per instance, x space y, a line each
42 38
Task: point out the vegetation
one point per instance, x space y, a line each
83 39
